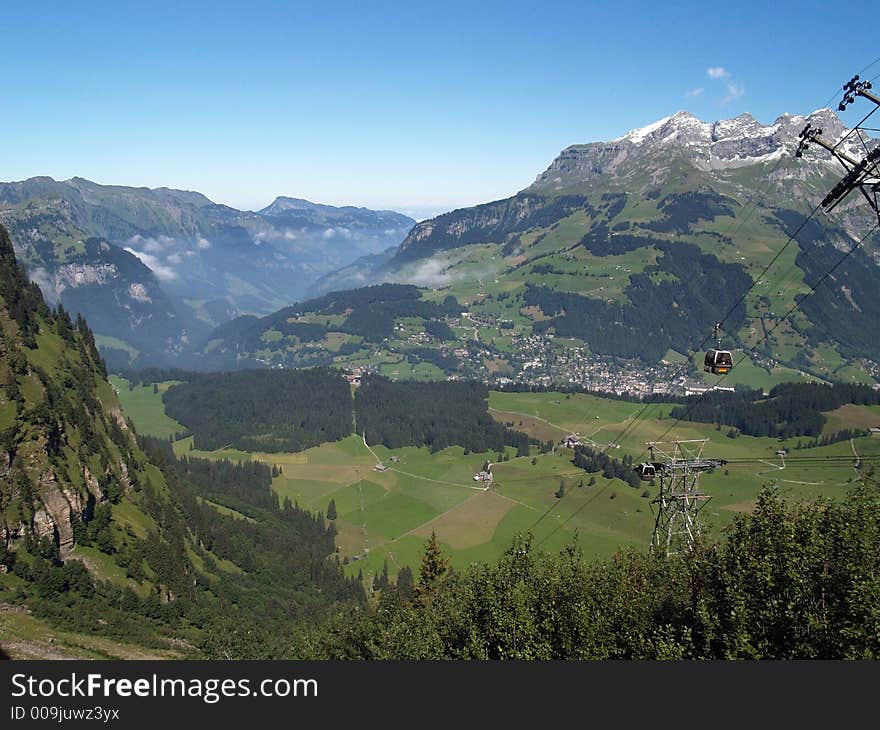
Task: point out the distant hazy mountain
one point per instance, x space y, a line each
178 264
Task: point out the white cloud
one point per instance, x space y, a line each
717 72
203 243
431 273
434 272
152 245
162 272
174 258
734 92
691 93
338 232
46 283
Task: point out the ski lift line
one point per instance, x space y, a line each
797 304
742 221
779 253
844 460
683 368
803 460
574 514
787 314
639 414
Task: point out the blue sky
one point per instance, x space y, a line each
418 107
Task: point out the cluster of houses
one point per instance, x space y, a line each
570 441
485 475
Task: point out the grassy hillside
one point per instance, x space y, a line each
110 547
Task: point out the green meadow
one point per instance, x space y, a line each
145 408
388 515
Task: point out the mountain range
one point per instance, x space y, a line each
635 247
154 270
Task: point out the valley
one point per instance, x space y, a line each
385 516
334 432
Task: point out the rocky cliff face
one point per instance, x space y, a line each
64 446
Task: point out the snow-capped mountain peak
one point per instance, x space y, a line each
708 146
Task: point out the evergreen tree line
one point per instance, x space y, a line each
593 461
681 210
291 410
283 550
22 298
435 414
656 316
566 388
152 376
790 409
263 410
790 581
241 485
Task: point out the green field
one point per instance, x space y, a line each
388 515
145 408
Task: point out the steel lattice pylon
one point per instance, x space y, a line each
679 465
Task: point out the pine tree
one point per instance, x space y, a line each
331 512
434 566
405 583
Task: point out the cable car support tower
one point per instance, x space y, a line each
679 465
862 174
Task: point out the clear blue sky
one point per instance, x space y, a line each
414 106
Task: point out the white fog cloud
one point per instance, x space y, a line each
162 272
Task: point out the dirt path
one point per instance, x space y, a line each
424 478
535 416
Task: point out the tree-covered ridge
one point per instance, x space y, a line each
21 297
209 584
365 315
791 581
263 410
593 460
283 549
790 409
490 222
652 320
436 415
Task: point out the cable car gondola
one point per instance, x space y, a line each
718 361
646 471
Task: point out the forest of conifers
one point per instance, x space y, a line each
790 409
292 410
